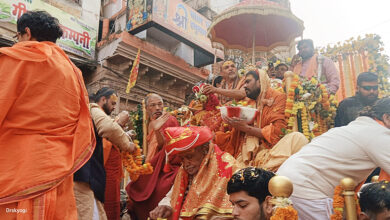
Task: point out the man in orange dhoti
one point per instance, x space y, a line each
148 190
46 131
199 191
231 86
260 144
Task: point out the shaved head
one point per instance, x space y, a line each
153 96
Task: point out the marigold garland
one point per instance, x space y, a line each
286 213
310 103
338 204
291 108
370 57
283 209
305 123
133 163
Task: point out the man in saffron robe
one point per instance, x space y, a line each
46 132
260 144
158 121
199 191
231 85
314 65
148 190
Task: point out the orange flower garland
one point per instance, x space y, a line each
311 101
325 97
338 204
133 163
287 213
342 78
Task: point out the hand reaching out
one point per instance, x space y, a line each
207 89
237 123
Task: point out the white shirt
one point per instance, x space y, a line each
352 151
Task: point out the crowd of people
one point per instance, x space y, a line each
61 150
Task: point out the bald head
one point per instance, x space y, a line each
154 106
153 96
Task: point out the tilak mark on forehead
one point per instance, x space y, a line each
228 63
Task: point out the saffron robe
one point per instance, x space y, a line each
46 131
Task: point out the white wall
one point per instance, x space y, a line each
220 5
112 8
90 13
185 52
120 23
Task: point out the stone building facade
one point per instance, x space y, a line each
79 20
167 60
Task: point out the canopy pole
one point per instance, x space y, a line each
215 55
253 47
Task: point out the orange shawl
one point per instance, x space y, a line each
311 69
207 195
237 84
46 131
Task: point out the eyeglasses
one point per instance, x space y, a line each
368 88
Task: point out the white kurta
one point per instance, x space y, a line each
352 151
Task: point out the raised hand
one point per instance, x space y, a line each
295 60
160 121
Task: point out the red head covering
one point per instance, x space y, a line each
180 139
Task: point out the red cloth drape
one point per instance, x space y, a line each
113 168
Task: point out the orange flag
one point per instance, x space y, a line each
133 73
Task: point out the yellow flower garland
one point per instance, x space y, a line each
291 108
311 101
133 163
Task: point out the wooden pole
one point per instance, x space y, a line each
253 48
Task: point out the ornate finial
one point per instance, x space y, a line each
375 179
280 186
288 74
348 184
